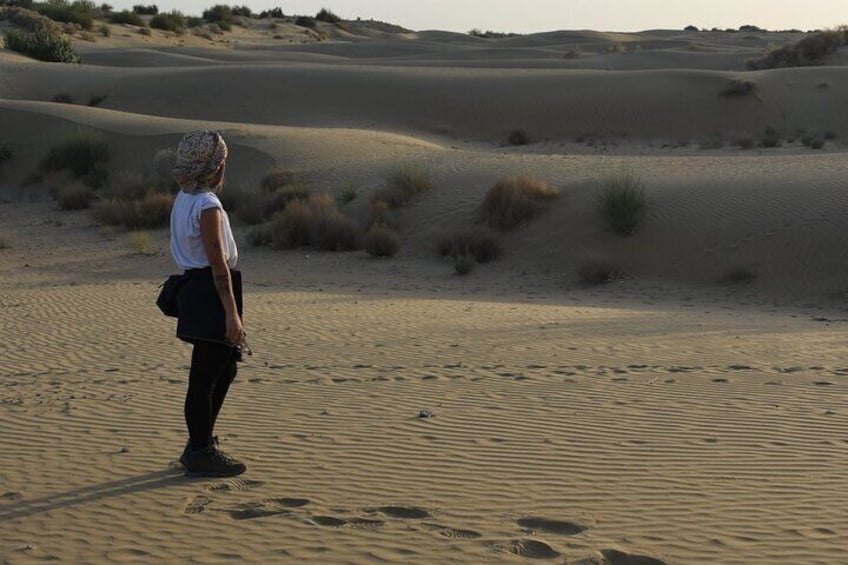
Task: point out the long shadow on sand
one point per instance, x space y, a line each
82 495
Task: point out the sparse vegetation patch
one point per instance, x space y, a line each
403 184
381 241
82 154
44 45
599 272
738 88
814 49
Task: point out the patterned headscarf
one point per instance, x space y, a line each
199 155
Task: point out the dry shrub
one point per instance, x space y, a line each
482 245
380 214
515 201
5 242
382 241
261 235
127 185
74 196
152 211
276 179
82 153
291 227
518 137
738 88
402 185
739 275
254 207
771 138
317 223
333 231
599 272
161 167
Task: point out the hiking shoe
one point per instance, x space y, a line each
211 462
184 457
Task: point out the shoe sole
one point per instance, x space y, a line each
213 474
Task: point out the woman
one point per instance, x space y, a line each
209 301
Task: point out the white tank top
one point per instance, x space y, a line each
186 243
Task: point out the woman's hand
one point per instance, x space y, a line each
235 329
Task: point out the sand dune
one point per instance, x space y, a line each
671 417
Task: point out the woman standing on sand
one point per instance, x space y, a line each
209 300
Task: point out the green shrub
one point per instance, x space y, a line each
325 15
482 245
6 152
243 11
43 45
623 203
104 30
172 21
771 138
272 13
381 241
813 49
82 153
126 17
78 12
305 21
219 14
74 196
28 20
514 201
348 195
464 264
150 10
401 185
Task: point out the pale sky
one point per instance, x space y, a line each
526 16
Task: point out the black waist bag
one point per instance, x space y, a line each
167 300
201 315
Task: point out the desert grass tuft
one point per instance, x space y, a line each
316 223
515 201
141 242
381 241
623 203
277 179
348 194
482 245
402 185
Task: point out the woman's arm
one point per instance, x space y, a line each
213 243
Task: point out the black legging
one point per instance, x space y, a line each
213 369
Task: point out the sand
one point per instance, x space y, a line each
670 417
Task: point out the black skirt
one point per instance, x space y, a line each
201 314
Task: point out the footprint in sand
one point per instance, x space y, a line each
454 533
616 557
197 505
404 512
265 508
333 522
233 485
549 526
529 548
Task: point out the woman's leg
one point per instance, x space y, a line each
222 386
209 365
